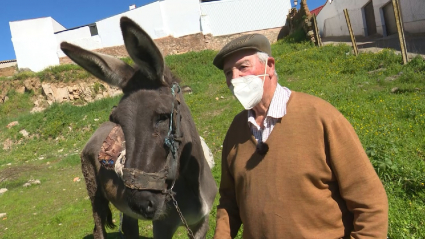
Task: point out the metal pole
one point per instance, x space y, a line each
400 30
316 29
353 39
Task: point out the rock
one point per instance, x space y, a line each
186 90
48 92
60 94
3 190
377 70
392 78
395 90
20 90
31 182
36 181
7 144
32 84
37 109
11 124
98 97
3 215
6 98
24 133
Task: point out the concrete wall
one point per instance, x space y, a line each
148 17
79 36
413 14
35 43
331 20
184 21
232 16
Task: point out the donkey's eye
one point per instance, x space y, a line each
162 118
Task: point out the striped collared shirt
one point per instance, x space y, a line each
277 110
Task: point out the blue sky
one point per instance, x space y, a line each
68 13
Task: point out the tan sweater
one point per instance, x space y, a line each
315 181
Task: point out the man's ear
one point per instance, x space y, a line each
271 66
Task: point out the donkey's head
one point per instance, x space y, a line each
150 114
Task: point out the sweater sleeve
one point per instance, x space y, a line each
228 219
358 182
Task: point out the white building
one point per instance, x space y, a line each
370 17
159 19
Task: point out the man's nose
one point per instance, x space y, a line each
235 74
230 77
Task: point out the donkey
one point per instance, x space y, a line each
161 173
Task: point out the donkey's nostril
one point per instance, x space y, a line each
150 207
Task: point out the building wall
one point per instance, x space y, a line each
159 19
181 17
79 36
57 27
148 17
34 43
413 15
331 20
232 16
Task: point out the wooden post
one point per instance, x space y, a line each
316 29
399 23
353 39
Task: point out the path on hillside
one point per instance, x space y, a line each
415 43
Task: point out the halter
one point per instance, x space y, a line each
137 179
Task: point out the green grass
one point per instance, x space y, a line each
390 127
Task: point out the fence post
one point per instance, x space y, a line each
399 23
316 29
353 39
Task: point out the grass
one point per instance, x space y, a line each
383 99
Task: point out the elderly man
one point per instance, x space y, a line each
292 165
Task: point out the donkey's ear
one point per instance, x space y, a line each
107 68
142 50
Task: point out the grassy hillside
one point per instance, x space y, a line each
384 101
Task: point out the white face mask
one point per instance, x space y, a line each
248 89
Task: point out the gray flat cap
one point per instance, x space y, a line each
252 41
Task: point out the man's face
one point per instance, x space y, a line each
242 63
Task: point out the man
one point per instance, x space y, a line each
292 165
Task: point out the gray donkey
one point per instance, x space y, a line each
148 161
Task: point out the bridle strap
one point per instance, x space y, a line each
172 141
136 179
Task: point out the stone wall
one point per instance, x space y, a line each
195 42
8 71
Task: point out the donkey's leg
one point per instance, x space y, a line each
100 206
165 229
201 228
130 227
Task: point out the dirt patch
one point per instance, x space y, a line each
12 173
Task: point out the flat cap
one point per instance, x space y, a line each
251 41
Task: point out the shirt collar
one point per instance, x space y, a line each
276 109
